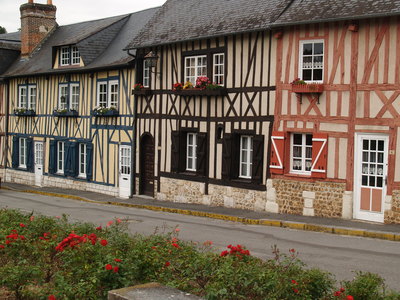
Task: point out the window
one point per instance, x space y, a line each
22 152
82 160
27 97
311 60
76 57
242 157
246 156
69 55
107 93
301 153
60 157
146 73
219 62
195 66
68 96
191 152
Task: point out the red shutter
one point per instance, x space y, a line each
277 152
319 155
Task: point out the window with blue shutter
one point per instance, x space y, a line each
52 157
89 169
29 155
15 153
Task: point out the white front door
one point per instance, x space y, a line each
371 164
124 171
38 163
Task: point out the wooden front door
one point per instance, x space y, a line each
147 165
371 176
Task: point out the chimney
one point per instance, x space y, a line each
37 21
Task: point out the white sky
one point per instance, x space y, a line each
74 11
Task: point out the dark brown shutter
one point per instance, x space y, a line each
201 154
175 151
235 163
226 156
258 154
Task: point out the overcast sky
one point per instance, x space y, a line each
74 11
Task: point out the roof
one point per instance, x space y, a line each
179 20
10 41
100 42
187 20
311 11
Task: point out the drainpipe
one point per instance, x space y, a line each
7 100
133 143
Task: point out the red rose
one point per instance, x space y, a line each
349 297
294 281
224 253
1 246
108 267
337 294
175 245
116 269
296 291
104 242
118 260
167 264
52 297
98 228
22 225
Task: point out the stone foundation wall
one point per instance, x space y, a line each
61 182
185 191
392 216
328 200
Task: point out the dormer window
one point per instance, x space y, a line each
69 55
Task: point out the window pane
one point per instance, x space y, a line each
317 74
307 49
307 74
365 145
298 139
318 48
373 145
113 94
379 182
309 139
32 98
102 100
364 180
380 145
22 97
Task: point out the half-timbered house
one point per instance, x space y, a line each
69 101
9 51
335 144
206 145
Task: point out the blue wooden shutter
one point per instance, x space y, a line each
67 158
52 157
89 161
74 154
29 155
15 153
258 155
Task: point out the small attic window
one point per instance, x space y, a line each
69 55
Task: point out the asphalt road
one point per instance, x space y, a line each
340 255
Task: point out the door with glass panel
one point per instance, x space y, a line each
124 171
38 163
370 176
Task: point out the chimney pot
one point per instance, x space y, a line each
30 1
49 2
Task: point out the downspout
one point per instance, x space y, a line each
7 100
133 142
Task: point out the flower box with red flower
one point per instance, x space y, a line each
139 89
201 92
304 88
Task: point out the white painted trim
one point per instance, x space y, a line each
300 74
357 214
318 155
273 138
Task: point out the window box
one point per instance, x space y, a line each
308 88
202 92
65 113
105 112
142 92
24 112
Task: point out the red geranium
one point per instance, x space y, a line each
103 242
52 297
116 269
108 267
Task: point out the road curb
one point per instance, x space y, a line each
265 222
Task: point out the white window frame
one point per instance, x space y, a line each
28 100
75 56
219 68
22 156
60 157
22 98
191 159
301 55
74 98
62 92
246 157
110 97
113 95
65 56
146 73
302 157
197 67
82 160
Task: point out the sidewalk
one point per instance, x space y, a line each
328 225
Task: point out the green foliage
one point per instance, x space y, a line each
42 256
2 30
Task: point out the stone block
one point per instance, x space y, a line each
308 212
347 206
309 202
228 201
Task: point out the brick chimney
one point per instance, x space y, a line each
37 21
